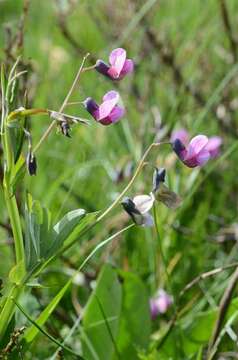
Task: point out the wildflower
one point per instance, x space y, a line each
195 154
119 66
160 303
138 209
31 163
162 192
108 112
198 151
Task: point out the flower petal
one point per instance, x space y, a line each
92 107
127 68
117 59
180 134
196 145
144 202
148 220
213 145
116 114
110 99
203 157
168 197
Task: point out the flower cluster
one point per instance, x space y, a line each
108 112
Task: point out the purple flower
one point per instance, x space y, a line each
160 303
195 154
198 151
108 112
119 66
180 134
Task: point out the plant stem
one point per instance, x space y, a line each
16 225
51 126
9 308
138 169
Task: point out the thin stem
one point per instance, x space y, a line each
54 122
167 274
89 68
139 167
223 307
109 209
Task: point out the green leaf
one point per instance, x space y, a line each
17 273
135 322
38 233
70 225
33 331
101 317
42 241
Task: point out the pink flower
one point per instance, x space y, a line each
119 65
198 151
108 112
160 303
180 134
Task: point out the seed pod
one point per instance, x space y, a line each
31 163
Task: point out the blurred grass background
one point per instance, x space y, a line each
185 76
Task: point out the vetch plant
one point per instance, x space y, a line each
41 240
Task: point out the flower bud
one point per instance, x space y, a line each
31 163
158 177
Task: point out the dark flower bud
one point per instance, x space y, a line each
102 67
158 177
65 128
178 146
31 163
90 105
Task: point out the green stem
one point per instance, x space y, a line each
12 208
9 308
16 225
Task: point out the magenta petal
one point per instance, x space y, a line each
213 145
110 99
203 157
196 145
117 59
127 68
180 134
116 114
110 95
